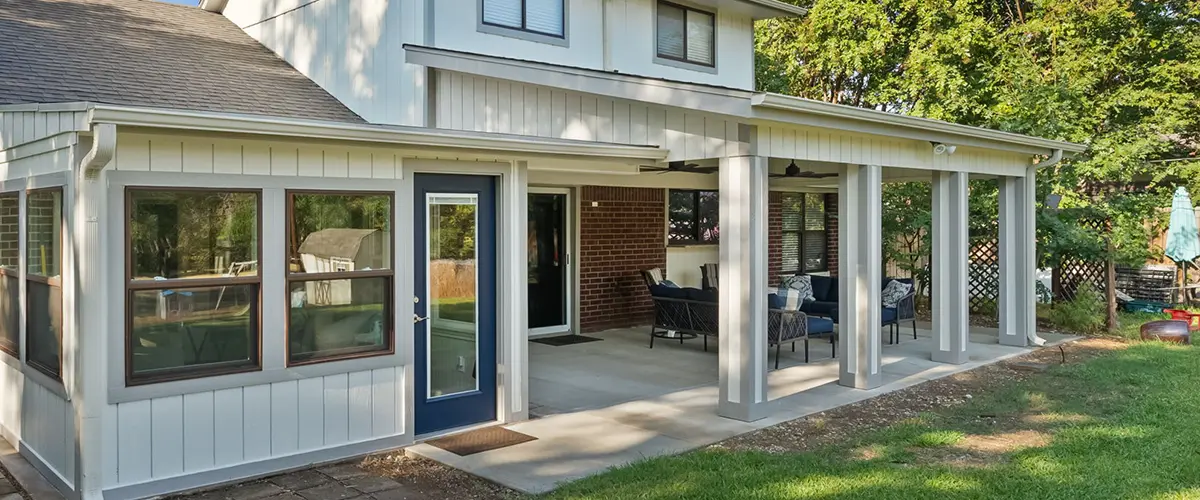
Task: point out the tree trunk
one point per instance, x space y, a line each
1110 289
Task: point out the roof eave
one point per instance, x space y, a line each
918 128
415 138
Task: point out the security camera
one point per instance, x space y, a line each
943 149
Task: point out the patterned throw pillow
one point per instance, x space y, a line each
894 291
801 283
790 298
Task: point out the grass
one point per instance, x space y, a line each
1125 424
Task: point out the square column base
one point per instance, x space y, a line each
745 412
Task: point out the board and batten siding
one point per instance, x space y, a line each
476 103
20 127
40 420
176 435
167 153
834 146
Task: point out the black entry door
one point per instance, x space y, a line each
547 261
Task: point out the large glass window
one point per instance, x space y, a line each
804 237
544 17
686 34
193 283
339 275
694 217
43 258
10 273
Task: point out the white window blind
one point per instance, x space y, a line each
699 37
502 12
671 26
685 34
544 16
539 16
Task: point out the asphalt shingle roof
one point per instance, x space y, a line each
148 53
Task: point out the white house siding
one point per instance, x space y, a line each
631 44
166 153
176 435
469 102
48 429
20 127
351 48
805 143
456 27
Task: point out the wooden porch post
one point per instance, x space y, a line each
1018 262
951 331
860 275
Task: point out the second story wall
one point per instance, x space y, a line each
351 48
457 26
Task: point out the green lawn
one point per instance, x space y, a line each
1122 425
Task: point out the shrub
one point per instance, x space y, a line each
1083 314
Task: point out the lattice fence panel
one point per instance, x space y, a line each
983 286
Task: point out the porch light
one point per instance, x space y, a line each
939 148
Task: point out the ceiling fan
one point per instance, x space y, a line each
793 172
679 166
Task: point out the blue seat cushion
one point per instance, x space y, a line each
824 288
821 308
889 314
701 295
817 326
661 290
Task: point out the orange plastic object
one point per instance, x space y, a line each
1193 319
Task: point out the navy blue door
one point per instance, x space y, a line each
455 328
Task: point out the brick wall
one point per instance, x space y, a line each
831 232
10 219
774 237
620 237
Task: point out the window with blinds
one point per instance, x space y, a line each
686 34
804 237
544 17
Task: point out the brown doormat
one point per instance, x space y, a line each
480 440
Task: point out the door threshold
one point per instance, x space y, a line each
535 334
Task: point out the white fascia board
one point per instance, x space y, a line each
44 107
415 138
799 111
725 101
756 9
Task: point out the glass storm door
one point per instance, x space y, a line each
548 261
455 303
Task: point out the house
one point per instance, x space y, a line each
167 171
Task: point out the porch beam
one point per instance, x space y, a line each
1018 261
951 333
860 272
743 282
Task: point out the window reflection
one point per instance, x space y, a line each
453 333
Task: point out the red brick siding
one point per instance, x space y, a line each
620 237
774 237
831 232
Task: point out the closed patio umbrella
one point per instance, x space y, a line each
1183 238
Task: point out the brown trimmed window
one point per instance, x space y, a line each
10 273
804 236
193 283
43 269
339 276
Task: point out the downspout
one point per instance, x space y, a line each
1054 158
91 355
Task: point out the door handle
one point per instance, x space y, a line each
418 319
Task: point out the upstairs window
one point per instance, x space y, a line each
686 34
804 236
543 17
693 217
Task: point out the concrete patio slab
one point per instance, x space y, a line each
617 401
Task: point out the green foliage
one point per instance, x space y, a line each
1120 76
1083 314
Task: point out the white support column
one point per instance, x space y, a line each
860 272
513 355
951 331
1018 260
743 295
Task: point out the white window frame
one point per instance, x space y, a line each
523 33
685 63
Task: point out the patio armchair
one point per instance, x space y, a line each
691 313
905 311
708 276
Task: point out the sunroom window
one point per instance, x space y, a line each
543 17
10 273
686 34
339 276
193 284
43 287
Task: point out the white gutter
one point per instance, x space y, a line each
416 138
916 124
104 145
1054 158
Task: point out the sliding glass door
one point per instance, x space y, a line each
549 276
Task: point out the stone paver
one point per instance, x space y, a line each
330 491
343 481
371 483
260 490
300 480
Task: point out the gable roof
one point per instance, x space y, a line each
148 53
